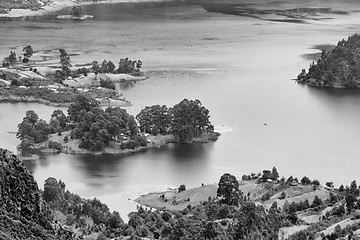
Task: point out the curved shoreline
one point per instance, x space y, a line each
71 147
58 5
153 142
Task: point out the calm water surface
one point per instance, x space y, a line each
240 68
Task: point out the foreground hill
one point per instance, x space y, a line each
339 67
23 215
261 207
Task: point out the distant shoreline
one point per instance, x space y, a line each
25 99
58 5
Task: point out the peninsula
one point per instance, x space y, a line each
88 128
337 68
51 77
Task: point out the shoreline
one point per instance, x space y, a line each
58 5
321 86
25 99
71 147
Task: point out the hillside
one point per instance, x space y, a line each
266 208
339 67
23 215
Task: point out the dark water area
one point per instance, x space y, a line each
239 67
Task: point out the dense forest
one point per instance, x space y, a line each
339 67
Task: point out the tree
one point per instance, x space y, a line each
289 180
282 195
28 52
33 127
95 67
266 175
229 190
12 57
182 188
317 202
155 117
77 11
209 231
52 189
316 182
350 202
26 145
81 103
190 119
275 174
305 181
60 116
353 188
65 61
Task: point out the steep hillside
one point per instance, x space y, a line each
22 213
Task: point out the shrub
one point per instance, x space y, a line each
282 195
182 188
265 197
70 219
55 145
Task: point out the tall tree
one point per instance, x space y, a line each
190 119
65 61
28 52
229 190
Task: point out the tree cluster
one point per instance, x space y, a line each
97 127
32 130
340 66
186 120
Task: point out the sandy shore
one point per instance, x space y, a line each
57 5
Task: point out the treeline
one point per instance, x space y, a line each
98 128
337 67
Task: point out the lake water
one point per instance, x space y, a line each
240 68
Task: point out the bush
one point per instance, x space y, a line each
265 197
182 188
70 219
282 195
107 84
55 145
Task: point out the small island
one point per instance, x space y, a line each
88 128
337 68
50 77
